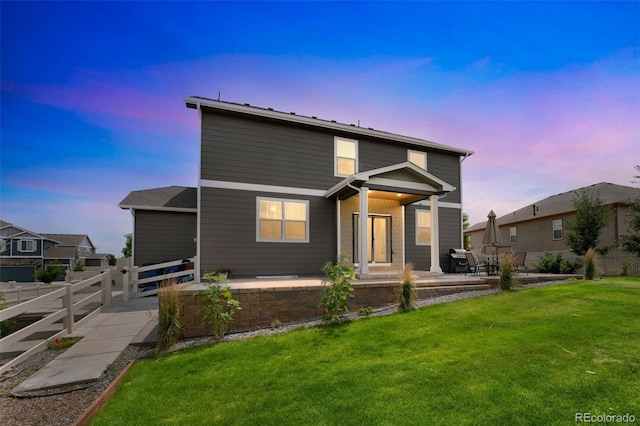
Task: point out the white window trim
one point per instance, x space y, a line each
35 247
283 239
335 155
418 243
553 231
410 151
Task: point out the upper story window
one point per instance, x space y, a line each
346 156
282 220
27 245
423 227
513 235
557 229
418 158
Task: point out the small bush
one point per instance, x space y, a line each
337 288
365 312
59 344
6 326
507 271
590 264
79 267
169 327
276 323
407 295
50 272
554 264
220 306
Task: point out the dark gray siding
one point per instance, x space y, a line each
228 236
450 227
15 248
17 273
237 148
164 236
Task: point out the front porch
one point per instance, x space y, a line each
294 299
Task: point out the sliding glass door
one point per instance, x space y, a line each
379 238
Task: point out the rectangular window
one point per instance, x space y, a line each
423 227
557 229
346 157
27 245
281 220
513 235
418 158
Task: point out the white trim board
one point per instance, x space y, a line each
241 186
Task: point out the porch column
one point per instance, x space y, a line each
435 235
363 252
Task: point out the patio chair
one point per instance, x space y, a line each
519 261
475 265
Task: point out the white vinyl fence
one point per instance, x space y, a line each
65 302
145 280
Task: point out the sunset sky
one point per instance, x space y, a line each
547 94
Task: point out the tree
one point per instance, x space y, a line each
112 259
631 241
465 225
583 230
126 251
50 272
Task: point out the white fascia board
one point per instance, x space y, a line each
157 208
292 117
242 186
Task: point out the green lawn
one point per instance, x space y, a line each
535 356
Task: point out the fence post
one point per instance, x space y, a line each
67 303
133 280
125 283
106 288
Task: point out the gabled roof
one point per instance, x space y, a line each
68 239
9 230
609 193
198 102
60 253
403 177
170 198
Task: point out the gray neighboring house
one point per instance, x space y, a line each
281 194
539 227
164 224
22 252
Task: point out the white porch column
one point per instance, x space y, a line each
435 235
363 252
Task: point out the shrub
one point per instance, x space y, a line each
276 323
365 312
220 306
79 267
507 271
407 295
590 264
554 264
50 272
6 326
64 343
169 327
337 288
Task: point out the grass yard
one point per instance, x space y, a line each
536 356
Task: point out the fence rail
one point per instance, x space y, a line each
153 276
57 305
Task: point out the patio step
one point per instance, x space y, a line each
434 291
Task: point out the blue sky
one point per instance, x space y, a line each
546 93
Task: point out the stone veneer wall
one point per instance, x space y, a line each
261 306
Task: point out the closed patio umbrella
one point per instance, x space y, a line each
492 235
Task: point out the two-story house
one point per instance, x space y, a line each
282 194
22 252
540 227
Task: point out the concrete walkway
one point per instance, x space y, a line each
104 339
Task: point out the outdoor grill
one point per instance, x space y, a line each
457 261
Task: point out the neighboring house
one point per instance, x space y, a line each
282 194
164 224
540 226
22 252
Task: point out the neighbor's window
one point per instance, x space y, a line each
281 220
418 158
346 151
27 245
513 235
557 229
423 227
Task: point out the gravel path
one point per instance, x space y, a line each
64 406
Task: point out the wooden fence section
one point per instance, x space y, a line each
57 305
145 280
610 264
